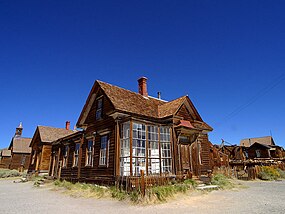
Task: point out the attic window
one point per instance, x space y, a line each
99 108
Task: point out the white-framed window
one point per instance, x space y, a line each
153 151
139 148
125 149
258 153
89 152
103 156
99 107
165 148
76 155
65 156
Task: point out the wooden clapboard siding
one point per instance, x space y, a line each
45 159
184 113
20 161
5 162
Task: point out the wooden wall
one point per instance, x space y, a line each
17 159
45 158
5 162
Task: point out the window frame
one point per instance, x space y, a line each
65 156
76 155
104 160
89 153
99 108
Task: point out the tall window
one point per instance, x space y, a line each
65 154
103 150
139 153
99 108
23 160
76 154
89 153
125 150
165 150
153 151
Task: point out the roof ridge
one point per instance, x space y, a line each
174 100
136 93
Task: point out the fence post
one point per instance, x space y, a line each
142 183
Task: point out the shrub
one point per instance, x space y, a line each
6 173
222 181
268 173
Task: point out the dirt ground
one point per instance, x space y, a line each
258 197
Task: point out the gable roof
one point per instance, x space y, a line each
49 134
263 145
268 140
20 145
131 102
127 101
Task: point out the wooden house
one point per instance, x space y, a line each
5 158
20 150
41 147
125 133
262 147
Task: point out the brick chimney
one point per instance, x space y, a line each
67 125
143 86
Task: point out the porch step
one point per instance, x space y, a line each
207 187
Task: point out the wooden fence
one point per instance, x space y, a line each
141 183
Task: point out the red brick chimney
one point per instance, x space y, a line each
67 125
143 86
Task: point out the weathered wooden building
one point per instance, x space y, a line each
126 133
20 150
5 158
261 147
41 147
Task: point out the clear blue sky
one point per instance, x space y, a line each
228 56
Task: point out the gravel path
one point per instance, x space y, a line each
259 197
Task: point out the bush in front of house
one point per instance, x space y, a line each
270 173
222 181
7 173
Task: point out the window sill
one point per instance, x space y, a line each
102 166
88 166
74 166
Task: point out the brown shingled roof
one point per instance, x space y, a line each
128 101
21 145
268 140
6 153
169 108
131 102
49 134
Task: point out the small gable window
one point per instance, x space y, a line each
99 107
104 151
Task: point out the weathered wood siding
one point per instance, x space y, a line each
45 158
20 161
183 112
5 162
252 151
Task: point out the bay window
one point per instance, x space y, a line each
144 147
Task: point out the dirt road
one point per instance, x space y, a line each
259 197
